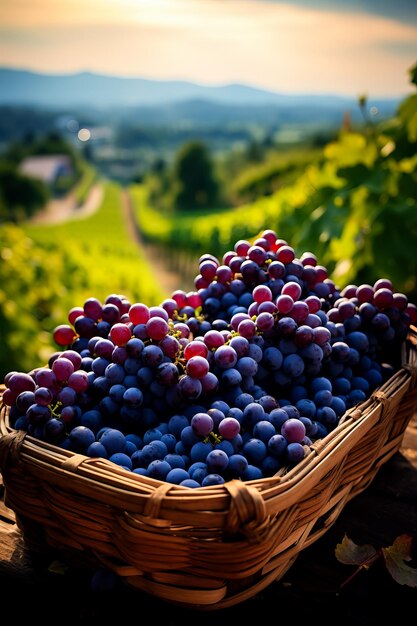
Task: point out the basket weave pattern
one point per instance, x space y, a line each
210 547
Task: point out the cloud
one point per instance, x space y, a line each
401 10
278 46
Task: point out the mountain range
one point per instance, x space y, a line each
97 91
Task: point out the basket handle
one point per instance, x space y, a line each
247 511
10 445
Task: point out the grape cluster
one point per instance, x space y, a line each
233 380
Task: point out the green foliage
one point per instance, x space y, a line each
264 179
21 196
110 260
46 270
355 207
194 183
34 296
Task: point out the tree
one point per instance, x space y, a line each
21 196
194 179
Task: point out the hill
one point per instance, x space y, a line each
21 87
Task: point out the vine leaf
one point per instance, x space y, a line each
350 553
395 557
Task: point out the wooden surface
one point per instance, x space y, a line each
42 587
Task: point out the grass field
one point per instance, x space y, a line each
100 243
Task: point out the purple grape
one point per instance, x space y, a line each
293 430
217 461
295 453
202 424
229 427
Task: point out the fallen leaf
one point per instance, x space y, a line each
349 553
395 560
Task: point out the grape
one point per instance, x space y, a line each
152 355
303 335
293 430
213 339
291 289
209 384
277 444
247 328
263 430
96 449
20 381
295 453
25 399
247 366
54 430
157 328
217 461
66 396
340 351
285 253
327 415
195 348
63 335
74 357
120 334
78 380
293 365
42 395
45 377
261 293
120 458
229 427
299 312
231 378
85 327
62 368
253 413
197 366
177 475
159 469
81 438
212 479
272 358
202 424
113 440
189 388
264 322
255 451
225 357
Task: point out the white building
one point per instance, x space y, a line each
47 168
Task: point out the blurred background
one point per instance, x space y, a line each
136 135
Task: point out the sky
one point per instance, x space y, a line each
301 46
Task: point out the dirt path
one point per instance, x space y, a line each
65 209
60 210
168 279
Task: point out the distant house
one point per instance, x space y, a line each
47 168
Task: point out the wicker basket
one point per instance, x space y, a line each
204 548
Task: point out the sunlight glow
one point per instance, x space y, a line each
279 46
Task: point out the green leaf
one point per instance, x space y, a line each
413 74
350 553
395 560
